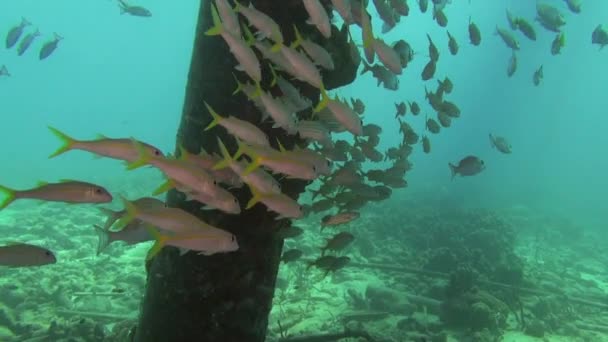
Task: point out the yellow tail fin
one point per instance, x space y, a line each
216 117
160 241
10 197
67 142
217 23
227 159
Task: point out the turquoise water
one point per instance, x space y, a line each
124 76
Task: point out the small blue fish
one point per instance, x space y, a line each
49 47
137 11
4 71
27 41
15 33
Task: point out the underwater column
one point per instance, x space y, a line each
228 297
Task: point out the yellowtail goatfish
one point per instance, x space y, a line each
205 242
240 49
258 178
134 233
178 171
240 129
113 216
67 191
122 149
279 203
281 162
24 255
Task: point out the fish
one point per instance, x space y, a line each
315 131
440 17
181 174
132 234
387 55
446 85
318 17
433 51
4 71
67 191
343 7
426 144
600 36
429 70
206 162
538 75
25 255
367 34
342 112
266 26
338 242
241 129
405 52
280 113
114 215
549 17
279 203
49 47
300 66
500 143
414 108
15 33
432 126
258 178
222 200
382 75
506 36
512 20
136 11
174 220
339 219
401 108
121 149
241 51
444 119
474 33
423 5
289 232
574 5
204 242
468 166
228 17
291 255
452 44
526 28
316 52
558 43
27 41
512 66
277 161
294 96
400 7
330 263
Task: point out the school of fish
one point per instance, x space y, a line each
334 167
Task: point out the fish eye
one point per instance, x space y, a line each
328 162
314 168
232 238
98 191
214 182
235 201
48 253
157 153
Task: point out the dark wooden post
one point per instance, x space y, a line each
227 297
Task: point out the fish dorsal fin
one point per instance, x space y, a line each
100 136
41 183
